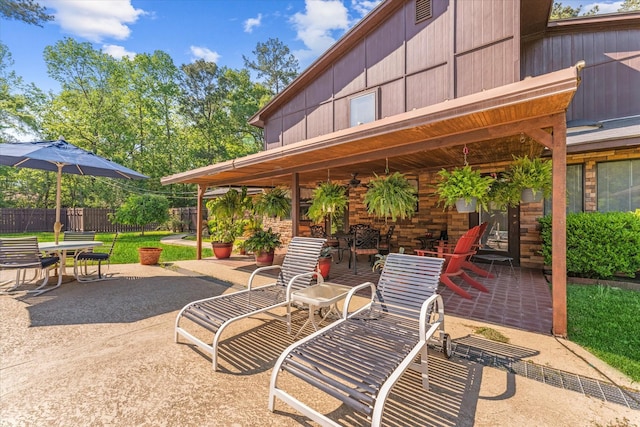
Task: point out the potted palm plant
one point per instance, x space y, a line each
263 244
464 188
329 200
275 203
225 224
532 176
391 196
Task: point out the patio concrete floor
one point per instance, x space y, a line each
102 354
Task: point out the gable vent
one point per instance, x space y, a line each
423 10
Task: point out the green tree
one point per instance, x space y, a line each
275 63
24 10
629 6
142 210
560 11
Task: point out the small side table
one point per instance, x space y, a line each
500 258
325 294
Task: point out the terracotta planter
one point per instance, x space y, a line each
464 207
222 250
264 258
324 265
149 256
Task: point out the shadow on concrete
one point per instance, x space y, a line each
123 300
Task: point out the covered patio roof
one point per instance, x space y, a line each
499 122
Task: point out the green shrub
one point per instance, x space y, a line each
599 245
142 210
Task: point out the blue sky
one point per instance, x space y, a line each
216 30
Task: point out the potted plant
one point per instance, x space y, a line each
149 255
226 224
275 203
325 260
532 177
391 196
503 193
329 200
263 244
464 188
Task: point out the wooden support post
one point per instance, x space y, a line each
201 189
559 228
295 204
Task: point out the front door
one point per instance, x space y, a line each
503 231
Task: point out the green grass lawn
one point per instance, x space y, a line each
126 249
606 321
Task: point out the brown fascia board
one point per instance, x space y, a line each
595 22
339 48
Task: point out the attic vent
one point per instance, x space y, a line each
423 10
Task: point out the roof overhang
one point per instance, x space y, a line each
496 120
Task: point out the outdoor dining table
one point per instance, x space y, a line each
61 248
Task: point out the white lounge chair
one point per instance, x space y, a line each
359 358
216 313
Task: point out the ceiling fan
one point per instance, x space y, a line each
354 182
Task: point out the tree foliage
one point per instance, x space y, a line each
24 10
275 63
629 6
560 11
142 210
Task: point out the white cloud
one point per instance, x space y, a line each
116 51
208 55
250 23
316 26
96 20
605 7
364 6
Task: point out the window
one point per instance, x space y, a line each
618 185
363 109
575 190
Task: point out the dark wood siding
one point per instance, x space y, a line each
465 47
610 85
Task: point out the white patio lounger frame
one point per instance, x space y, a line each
216 313
360 357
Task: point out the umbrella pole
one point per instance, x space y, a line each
58 225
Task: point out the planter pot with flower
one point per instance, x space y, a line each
324 262
464 188
263 244
226 221
532 177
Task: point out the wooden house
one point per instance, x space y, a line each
416 81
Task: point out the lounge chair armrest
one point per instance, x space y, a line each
259 270
352 292
432 314
300 276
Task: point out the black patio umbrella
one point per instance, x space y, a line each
60 156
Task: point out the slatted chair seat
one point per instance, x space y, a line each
22 254
216 313
359 358
77 236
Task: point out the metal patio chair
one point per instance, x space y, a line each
83 258
364 242
216 313
359 358
22 254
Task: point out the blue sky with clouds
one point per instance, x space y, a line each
216 30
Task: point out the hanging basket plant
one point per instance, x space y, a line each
329 200
463 183
503 193
391 196
532 176
274 203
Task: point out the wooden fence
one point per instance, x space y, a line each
84 219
